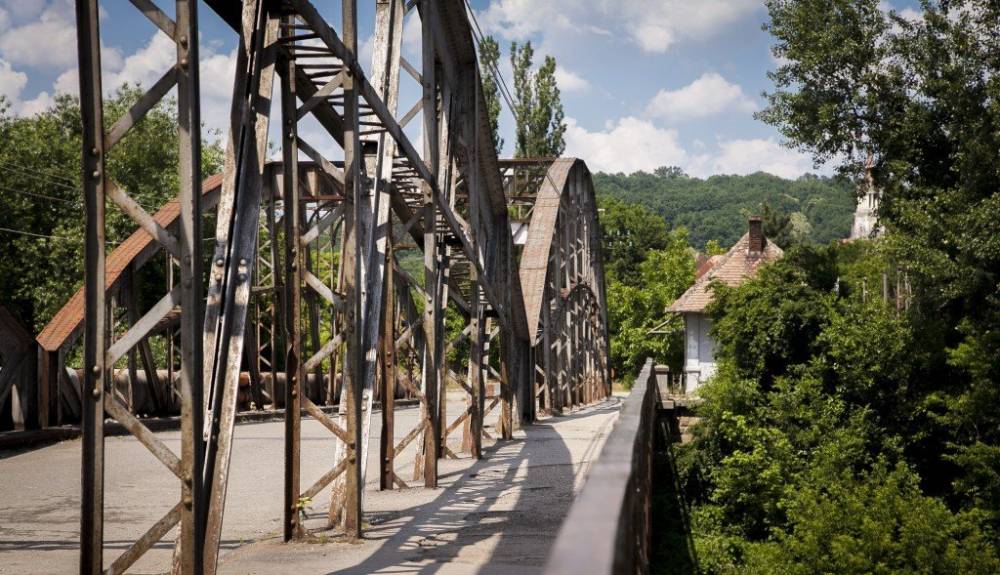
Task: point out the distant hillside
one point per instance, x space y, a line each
822 208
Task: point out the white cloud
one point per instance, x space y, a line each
12 82
146 65
709 95
413 35
519 19
758 155
218 72
655 25
48 39
633 144
569 81
628 145
25 8
658 24
43 101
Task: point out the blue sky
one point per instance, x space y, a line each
645 82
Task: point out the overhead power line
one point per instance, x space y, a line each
478 36
41 196
48 178
34 235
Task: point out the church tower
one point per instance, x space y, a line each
866 214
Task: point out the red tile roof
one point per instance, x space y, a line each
67 325
732 269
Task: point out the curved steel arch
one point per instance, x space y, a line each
562 275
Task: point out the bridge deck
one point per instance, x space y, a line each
502 512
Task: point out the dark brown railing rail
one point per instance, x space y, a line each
607 529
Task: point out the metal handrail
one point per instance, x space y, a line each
607 529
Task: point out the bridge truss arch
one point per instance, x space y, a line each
357 268
562 275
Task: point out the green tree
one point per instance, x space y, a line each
638 322
920 97
41 255
489 57
628 233
777 226
716 208
537 105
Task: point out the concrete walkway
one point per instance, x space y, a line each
500 514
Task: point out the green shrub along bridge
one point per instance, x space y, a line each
355 275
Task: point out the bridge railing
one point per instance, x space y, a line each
608 527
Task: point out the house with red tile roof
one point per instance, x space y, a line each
734 267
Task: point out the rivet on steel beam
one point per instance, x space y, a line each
243 261
96 392
95 151
183 40
184 62
243 277
218 277
219 262
96 174
96 370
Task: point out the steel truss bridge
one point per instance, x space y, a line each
309 300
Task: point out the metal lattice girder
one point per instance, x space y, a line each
562 273
346 309
100 352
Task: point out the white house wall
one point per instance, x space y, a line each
699 350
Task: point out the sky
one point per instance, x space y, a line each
645 83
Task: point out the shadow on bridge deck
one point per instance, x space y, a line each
497 515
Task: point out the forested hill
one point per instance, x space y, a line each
821 208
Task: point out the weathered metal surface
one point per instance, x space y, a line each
333 306
607 529
17 374
66 326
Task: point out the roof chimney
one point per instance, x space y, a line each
756 235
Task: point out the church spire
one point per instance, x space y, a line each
866 214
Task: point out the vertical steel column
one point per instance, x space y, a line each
95 335
388 346
192 527
476 323
293 290
236 233
433 312
353 188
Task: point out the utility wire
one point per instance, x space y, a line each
57 176
54 180
50 179
478 36
41 196
34 235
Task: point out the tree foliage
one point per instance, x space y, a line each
822 448
537 105
819 209
920 96
41 255
489 58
